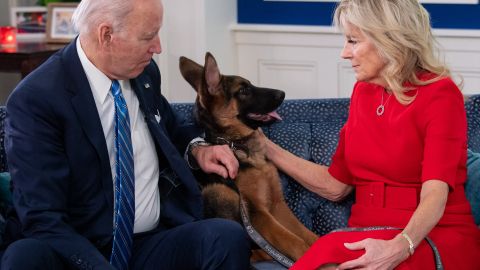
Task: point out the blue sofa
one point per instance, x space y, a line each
310 130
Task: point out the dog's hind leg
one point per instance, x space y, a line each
277 235
259 255
286 217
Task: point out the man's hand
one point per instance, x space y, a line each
217 159
379 254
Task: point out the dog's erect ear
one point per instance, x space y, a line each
192 72
212 73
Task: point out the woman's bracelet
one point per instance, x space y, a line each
411 247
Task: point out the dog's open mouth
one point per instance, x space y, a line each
265 117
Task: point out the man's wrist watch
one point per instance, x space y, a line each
192 162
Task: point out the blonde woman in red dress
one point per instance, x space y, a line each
402 151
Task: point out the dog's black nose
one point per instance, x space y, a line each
280 95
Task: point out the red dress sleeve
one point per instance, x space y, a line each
338 168
445 134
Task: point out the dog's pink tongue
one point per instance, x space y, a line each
275 115
265 117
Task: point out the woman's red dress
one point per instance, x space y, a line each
387 158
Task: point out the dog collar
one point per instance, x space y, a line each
237 145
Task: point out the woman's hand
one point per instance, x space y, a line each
379 254
265 143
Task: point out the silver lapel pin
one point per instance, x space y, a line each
147 85
158 117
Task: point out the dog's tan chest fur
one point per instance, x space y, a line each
260 184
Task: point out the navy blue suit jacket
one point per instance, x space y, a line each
58 159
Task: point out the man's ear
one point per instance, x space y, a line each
104 35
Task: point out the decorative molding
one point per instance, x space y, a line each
332 30
301 1
282 28
305 60
346 79
421 1
470 77
449 1
297 78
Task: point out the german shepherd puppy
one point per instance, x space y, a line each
231 109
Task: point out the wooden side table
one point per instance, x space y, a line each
25 57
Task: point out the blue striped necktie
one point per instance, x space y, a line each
124 184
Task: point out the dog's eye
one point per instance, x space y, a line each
244 91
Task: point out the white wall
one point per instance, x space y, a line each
302 60
305 61
191 28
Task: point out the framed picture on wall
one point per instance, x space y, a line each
59 22
30 22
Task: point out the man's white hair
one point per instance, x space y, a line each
91 13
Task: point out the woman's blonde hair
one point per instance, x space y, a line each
401 32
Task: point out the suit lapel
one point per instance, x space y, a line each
186 185
142 86
146 97
84 106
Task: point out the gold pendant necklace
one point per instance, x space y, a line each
381 107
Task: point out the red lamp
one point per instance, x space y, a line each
8 36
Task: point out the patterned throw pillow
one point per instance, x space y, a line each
472 186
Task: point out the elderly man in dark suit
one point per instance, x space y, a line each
67 164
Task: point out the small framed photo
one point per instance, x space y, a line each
30 22
59 22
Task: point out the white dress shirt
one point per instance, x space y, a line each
147 196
